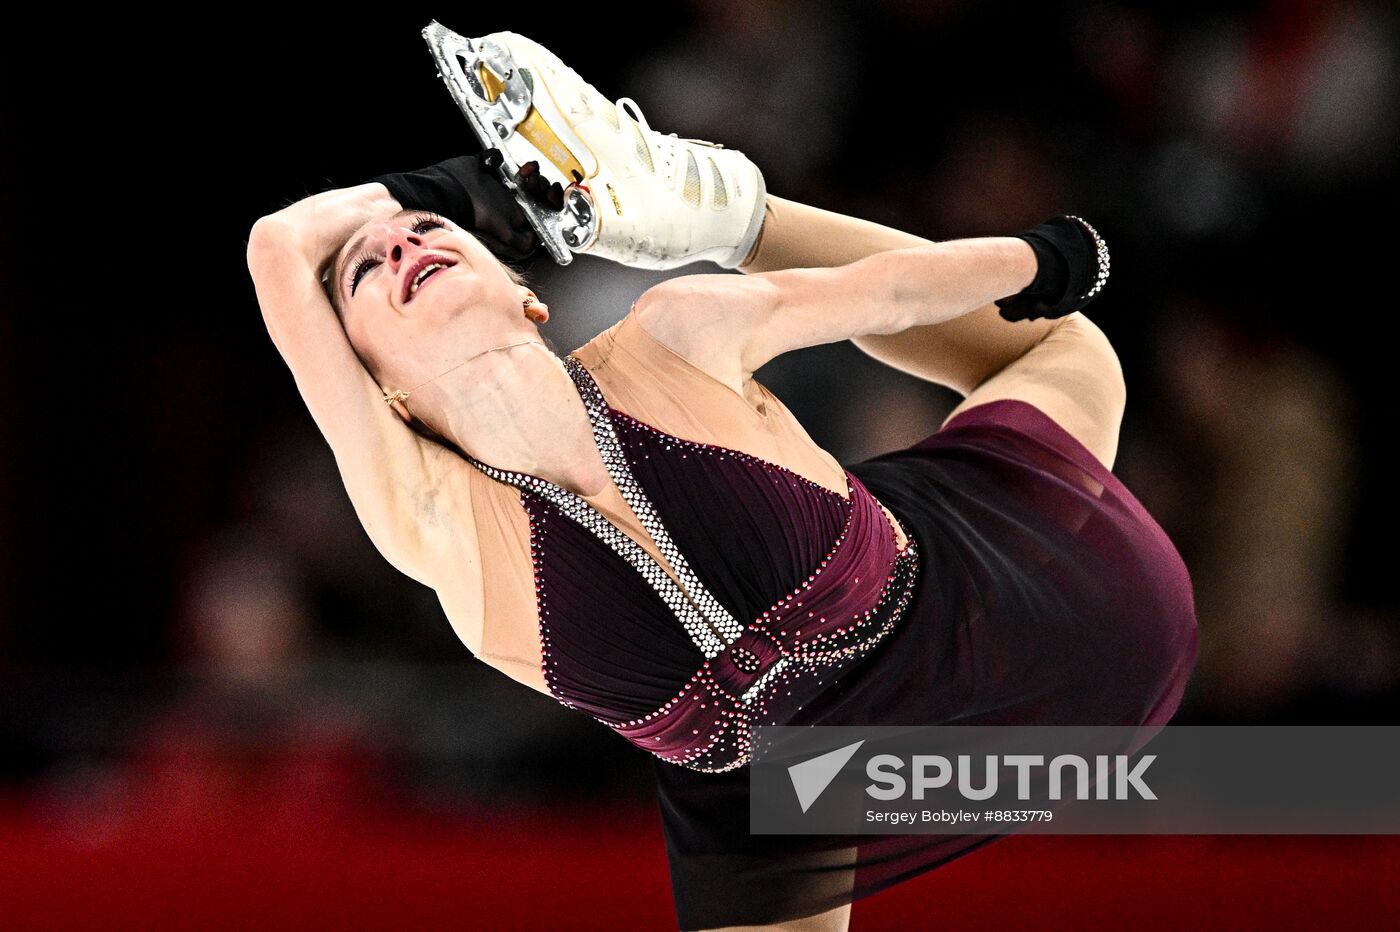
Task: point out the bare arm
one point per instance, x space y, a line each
753 318
936 322
395 479
960 353
885 293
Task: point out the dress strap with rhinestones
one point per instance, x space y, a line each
616 462
710 625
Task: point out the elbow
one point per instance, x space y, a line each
269 232
272 241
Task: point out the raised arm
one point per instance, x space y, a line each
755 317
890 292
393 476
961 353
922 307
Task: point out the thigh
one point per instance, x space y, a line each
836 920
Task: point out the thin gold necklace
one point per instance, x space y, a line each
400 395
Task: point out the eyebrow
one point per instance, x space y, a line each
357 245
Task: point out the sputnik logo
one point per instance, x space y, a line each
811 777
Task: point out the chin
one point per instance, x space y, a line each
446 298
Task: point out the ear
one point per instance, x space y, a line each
537 310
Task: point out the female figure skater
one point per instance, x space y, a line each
643 532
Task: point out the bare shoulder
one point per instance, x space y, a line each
706 318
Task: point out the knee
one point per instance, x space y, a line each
1105 392
1080 365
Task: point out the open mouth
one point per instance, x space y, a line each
423 271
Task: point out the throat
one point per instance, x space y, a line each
526 416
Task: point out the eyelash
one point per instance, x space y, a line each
363 263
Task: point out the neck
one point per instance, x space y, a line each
517 409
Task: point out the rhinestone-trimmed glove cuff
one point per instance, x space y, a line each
1072 267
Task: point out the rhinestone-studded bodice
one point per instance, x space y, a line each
785 584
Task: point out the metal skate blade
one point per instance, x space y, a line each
495 96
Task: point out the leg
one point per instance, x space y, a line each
835 920
961 353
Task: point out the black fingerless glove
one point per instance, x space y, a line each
1072 269
468 191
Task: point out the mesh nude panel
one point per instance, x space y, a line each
643 153
692 180
721 196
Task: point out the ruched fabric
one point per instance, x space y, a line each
1036 590
757 529
1046 595
811 582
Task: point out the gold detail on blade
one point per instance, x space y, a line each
491 84
617 205
535 129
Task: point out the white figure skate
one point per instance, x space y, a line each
631 194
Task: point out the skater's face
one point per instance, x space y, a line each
414 290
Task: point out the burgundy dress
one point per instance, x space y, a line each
1033 589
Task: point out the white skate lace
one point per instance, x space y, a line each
658 140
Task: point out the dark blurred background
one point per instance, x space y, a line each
205 664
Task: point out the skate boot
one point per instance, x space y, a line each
633 195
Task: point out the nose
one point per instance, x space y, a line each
399 243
